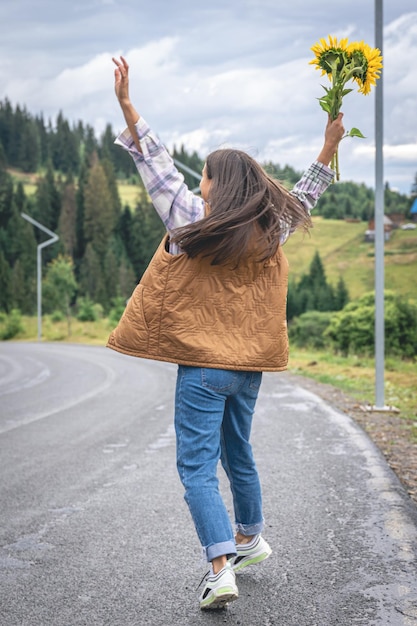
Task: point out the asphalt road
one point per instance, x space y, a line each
94 529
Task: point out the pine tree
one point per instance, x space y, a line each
67 218
341 295
126 279
314 293
44 140
110 275
317 275
89 144
24 286
65 147
3 159
92 282
99 215
120 159
80 242
23 260
6 197
29 145
47 200
6 127
146 233
124 230
6 301
114 191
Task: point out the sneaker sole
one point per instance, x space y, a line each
251 561
219 600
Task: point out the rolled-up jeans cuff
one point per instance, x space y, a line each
250 529
220 549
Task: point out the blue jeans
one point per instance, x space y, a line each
213 418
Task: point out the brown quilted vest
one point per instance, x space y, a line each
189 312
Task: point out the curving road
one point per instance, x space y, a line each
94 529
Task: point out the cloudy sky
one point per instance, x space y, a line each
215 73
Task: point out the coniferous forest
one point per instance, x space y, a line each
104 247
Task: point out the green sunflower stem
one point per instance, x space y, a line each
336 157
334 165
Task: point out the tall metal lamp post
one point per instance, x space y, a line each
48 242
379 224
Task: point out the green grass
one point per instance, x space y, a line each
92 333
345 253
28 180
356 377
129 194
401 265
29 189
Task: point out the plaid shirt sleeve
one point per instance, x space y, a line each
308 190
173 201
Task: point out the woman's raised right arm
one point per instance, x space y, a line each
174 202
121 87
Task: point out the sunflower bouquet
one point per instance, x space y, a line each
342 62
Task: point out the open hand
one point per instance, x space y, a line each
121 79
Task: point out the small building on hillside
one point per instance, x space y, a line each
397 219
370 233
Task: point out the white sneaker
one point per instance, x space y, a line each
220 589
255 551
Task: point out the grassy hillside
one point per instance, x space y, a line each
28 180
344 252
129 194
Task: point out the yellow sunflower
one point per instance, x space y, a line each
366 65
330 55
343 62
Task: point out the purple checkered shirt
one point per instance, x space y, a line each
176 204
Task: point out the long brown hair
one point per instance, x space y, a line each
248 210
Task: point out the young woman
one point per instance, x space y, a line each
213 300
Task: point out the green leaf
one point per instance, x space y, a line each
355 132
346 91
324 105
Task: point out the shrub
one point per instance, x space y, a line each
87 310
57 316
307 330
11 325
352 330
118 306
